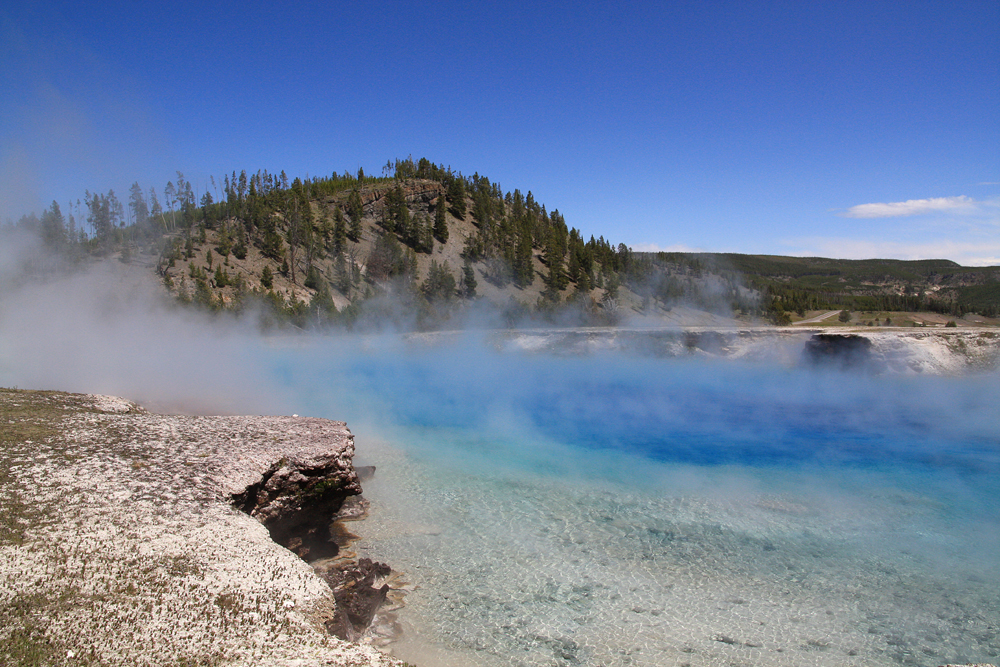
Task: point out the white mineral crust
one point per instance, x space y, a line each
135 556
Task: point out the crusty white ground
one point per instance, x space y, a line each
131 554
937 351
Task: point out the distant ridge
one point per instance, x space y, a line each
816 283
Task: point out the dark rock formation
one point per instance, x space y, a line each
302 499
297 497
418 195
844 351
358 597
712 342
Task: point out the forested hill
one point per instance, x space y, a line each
419 246
423 246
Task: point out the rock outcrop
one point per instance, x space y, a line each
844 351
929 351
119 542
358 594
297 496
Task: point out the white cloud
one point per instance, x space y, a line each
961 204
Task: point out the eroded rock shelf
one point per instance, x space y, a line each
122 540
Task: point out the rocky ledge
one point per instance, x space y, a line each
932 351
129 538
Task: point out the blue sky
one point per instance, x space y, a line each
845 129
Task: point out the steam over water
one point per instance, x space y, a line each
602 509
625 510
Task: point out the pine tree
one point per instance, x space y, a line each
102 218
155 210
425 234
271 243
611 286
221 278
441 221
574 269
137 205
356 211
339 231
53 228
208 211
313 278
386 258
440 284
322 309
524 269
556 280
343 275
170 195
267 278
404 225
456 196
240 249
468 280
202 292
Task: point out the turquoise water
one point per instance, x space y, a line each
621 510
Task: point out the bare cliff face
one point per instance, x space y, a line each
120 543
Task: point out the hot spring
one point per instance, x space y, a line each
611 509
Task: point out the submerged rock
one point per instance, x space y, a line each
358 597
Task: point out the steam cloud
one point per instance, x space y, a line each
494 423
109 330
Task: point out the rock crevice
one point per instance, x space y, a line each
846 351
297 499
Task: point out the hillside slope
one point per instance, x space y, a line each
423 247
418 248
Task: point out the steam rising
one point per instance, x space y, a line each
526 452
109 330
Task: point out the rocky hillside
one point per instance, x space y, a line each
424 241
420 247
424 247
361 269
799 284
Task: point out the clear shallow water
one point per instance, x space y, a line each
614 510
